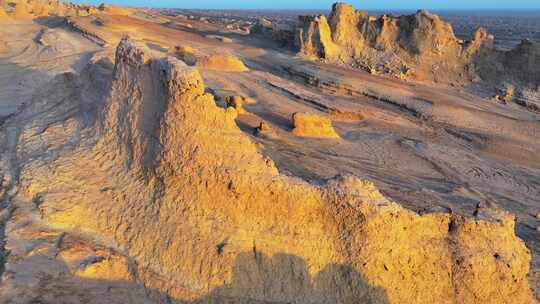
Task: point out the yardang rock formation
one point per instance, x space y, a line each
421 46
190 208
133 173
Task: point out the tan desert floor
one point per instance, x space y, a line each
426 146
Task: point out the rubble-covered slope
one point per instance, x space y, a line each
172 198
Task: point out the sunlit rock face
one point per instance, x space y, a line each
155 190
419 46
314 38
309 125
421 34
27 10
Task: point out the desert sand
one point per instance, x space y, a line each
156 158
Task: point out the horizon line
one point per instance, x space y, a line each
363 9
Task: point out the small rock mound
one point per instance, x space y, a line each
113 9
311 125
186 54
236 102
264 130
225 63
506 94
99 21
220 38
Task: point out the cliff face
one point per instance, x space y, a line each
314 38
349 28
283 33
420 46
425 34
178 201
524 62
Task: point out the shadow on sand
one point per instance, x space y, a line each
256 278
285 278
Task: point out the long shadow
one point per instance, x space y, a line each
256 278
51 21
285 278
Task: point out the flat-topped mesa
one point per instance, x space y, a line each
311 125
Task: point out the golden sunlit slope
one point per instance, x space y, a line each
188 207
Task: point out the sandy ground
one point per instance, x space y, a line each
27 63
426 146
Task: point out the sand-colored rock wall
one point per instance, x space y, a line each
348 28
420 46
421 34
314 38
167 178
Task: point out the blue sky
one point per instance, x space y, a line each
324 4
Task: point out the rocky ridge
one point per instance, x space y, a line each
419 46
180 204
25 10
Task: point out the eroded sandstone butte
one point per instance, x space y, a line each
164 192
419 46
